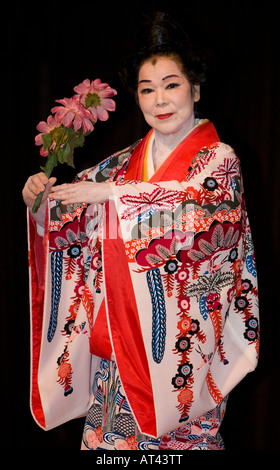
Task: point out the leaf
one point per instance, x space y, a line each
207 284
79 139
65 155
203 308
221 280
250 265
196 255
75 138
71 236
217 238
163 251
61 242
234 238
206 247
88 304
176 245
153 259
228 236
47 141
198 289
158 313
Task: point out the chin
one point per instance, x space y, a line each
168 129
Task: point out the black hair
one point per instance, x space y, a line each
159 35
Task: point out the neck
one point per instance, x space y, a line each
165 143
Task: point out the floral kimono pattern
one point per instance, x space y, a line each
162 281
110 424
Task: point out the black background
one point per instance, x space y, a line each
47 49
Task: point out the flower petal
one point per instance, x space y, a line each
68 118
38 139
43 127
102 113
110 105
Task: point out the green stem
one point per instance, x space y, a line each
50 165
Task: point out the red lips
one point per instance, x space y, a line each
164 116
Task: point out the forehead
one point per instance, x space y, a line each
159 67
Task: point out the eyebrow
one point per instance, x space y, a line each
164 78
170 76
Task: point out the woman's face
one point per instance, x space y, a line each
165 96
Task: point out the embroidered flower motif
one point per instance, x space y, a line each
210 184
171 266
179 381
195 327
246 286
74 251
185 369
99 433
184 325
182 275
185 396
227 171
251 332
132 443
252 323
96 262
73 309
123 445
184 303
233 255
159 199
68 327
241 303
93 442
183 344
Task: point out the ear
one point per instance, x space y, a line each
196 93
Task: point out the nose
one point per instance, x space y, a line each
160 98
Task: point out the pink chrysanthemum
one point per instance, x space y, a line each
73 112
95 96
45 128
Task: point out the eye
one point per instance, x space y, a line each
170 86
146 91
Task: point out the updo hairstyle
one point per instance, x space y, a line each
158 36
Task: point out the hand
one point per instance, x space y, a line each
34 186
82 192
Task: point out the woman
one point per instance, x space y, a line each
150 256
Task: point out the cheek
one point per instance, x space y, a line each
144 104
147 109
185 106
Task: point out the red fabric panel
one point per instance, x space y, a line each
36 255
100 342
126 331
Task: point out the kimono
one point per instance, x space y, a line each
149 300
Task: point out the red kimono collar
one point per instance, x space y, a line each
177 163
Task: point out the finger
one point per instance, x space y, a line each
40 178
62 192
35 187
61 187
50 183
38 183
